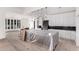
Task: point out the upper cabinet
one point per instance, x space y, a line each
66 19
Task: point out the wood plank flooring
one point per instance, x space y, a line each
13 43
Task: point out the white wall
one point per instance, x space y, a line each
77 26
27 22
2 27
24 23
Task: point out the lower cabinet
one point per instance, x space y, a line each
66 34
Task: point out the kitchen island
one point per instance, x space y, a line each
48 38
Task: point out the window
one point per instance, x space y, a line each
18 24
8 23
12 24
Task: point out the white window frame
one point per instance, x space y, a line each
17 28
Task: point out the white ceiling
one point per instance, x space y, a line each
35 10
19 10
53 10
30 9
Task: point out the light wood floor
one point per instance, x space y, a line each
66 45
13 43
19 45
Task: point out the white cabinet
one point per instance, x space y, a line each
67 34
71 35
66 19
